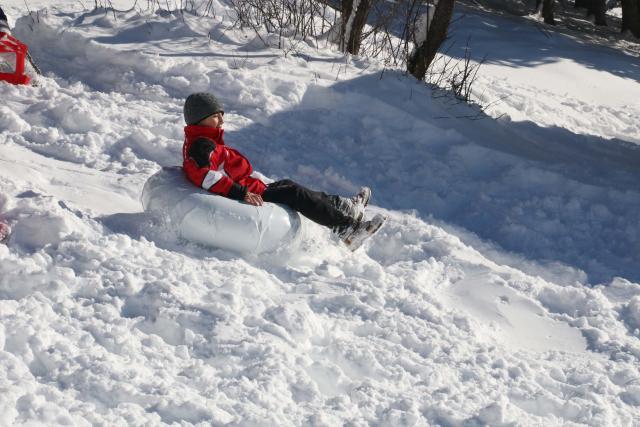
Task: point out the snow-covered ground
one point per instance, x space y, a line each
504 289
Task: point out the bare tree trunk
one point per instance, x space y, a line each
597 8
547 12
631 16
600 10
353 23
347 7
436 34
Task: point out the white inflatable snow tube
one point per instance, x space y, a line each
202 217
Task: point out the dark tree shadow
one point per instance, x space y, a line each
510 45
547 194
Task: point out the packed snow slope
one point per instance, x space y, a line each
502 291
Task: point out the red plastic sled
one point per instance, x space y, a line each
9 45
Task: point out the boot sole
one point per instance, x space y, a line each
371 228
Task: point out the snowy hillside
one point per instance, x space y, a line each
503 290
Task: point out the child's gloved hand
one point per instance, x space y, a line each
253 199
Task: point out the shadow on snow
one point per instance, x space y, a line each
545 193
511 45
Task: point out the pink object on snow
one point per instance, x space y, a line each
5 231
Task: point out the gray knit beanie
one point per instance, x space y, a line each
199 106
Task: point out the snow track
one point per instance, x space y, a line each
106 319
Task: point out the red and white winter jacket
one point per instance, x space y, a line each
212 165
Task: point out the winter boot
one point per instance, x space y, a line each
353 207
4 24
361 200
3 19
355 235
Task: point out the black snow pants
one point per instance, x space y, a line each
319 207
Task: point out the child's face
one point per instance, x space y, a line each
214 121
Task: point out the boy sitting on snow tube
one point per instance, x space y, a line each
219 169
